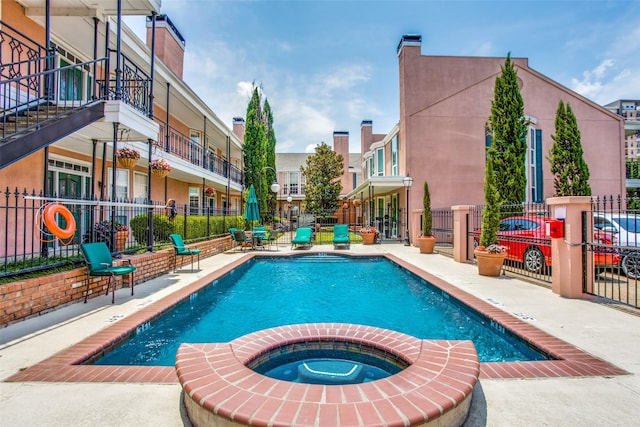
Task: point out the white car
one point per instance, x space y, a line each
626 229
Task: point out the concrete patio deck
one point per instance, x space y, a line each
602 331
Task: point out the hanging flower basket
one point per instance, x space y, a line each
127 157
160 173
126 162
160 167
210 191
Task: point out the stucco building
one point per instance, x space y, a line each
629 109
440 138
77 84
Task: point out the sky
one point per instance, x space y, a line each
327 65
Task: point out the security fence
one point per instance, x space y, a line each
611 236
42 232
522 232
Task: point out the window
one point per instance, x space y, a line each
394 155
380 161
370 166
194 200
195 149
534 165
122 183
293 183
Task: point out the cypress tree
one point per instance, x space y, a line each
271 200
508 131
491 210
571 173
254 136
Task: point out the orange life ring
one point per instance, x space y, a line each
49 216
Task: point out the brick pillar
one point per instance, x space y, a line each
566 253
462 244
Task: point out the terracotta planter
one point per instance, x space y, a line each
121 240
126 162
368 238
161 173
489 264
426 244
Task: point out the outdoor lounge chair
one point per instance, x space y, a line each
341 236
241 239
181 250
100 263
303 237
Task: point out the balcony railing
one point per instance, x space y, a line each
29 80
180 145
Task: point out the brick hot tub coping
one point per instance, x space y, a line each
220 390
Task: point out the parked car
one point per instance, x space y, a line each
625 227
526 242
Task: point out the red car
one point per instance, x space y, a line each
526 242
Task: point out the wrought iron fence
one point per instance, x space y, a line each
443 227
522 232
33 241
611 236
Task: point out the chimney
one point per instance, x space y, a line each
169 45
414 40
341 146
238 127
366 135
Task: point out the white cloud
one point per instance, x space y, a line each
311 148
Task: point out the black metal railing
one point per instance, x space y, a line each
611 238
522 232
27 244
30 80
442 226
174 142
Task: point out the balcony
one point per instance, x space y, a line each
173 142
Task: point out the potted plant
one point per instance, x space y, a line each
210 191
104 231
489 254
127 157
160 167
368 234
426 241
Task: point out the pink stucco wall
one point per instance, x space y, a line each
445 103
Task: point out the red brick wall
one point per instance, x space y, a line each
29 298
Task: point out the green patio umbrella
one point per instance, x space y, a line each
251 211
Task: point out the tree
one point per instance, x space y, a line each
571 173
259 152
322 174
491 210
427 218
254 141
508 131
269 171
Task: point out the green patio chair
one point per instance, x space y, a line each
100 263
302 237
341 236
241 239
181 250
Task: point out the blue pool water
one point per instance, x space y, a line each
326 367
265 293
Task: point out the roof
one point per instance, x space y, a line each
293 161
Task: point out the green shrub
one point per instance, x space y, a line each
427 218
162 227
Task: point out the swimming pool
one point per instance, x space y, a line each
264 293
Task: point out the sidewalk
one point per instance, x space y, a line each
607 333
